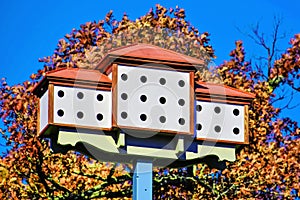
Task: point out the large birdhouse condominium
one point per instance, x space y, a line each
143 89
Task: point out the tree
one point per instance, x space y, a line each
269 166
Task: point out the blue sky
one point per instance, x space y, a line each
31 29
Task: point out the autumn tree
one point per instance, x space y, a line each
267 167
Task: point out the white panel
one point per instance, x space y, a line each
83 107
224 153
44 110
152 152
151 98
220 121
104 142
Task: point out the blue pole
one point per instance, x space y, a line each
142 181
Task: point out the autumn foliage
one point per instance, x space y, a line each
266 168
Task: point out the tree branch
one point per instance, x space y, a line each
43 177
97 191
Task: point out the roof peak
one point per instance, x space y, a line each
148 53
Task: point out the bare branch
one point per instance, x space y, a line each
295 88
259 38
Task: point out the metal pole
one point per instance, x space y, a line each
142 181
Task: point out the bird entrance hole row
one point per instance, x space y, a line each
144 79
144 117
79 114
218 129
79 95
218 110
144 98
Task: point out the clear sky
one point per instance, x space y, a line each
31 29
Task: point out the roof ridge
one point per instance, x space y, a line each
55 70
186 58
121 47
72 69
172 51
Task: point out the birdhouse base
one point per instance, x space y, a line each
172 150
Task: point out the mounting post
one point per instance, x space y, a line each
142 180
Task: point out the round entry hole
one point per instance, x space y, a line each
61 93
143 98
100 97
80 95
181 102
143 79
236 112
124 115
162 119
99 117
181 83
198 108
198 127
143 117
236 130
124 77
217 109
181 121
218 129
60 112
162 81
80 115
162 100
124 96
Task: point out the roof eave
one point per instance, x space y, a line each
112 58
223 98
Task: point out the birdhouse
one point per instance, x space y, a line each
153 88
75 98
221 113
143 101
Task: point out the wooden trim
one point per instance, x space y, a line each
50 103
39 116
104 64
61 125
218 141
222 96
78 82
192 103
159 131
108 70
114 95
155 65
246 124
146 64
138 61
56 83
224 99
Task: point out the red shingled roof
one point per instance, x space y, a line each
213 88
71 77
148 53
79 74
221 93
